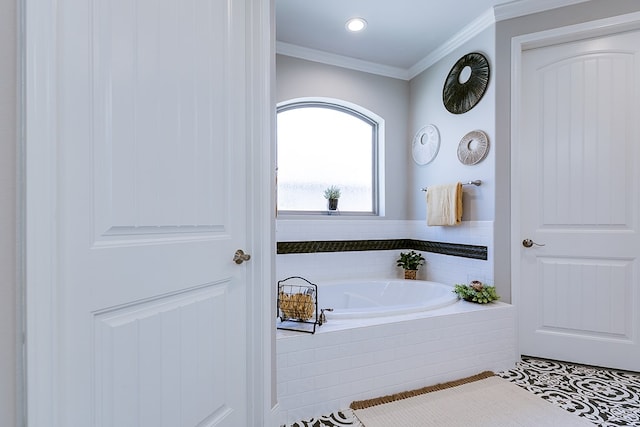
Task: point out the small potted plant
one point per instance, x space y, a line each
410 262
332 194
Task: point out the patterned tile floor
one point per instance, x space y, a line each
605 397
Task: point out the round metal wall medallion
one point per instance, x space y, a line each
466 83
473 147
425 145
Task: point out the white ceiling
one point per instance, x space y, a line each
399 34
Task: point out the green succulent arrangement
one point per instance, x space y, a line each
476 292
332 192
410 260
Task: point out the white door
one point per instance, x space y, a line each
146 315
579 183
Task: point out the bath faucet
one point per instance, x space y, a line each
323 318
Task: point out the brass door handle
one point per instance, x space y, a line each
239 257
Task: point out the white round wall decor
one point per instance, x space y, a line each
473 147
425 145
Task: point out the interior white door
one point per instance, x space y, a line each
578 164
149 309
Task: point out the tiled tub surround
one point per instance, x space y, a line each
381 263
342 362
361 359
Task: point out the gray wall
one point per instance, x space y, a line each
8 88
384 96
426 107
505 31
406 107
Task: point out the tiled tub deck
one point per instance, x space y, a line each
356 359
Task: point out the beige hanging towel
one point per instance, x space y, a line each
444 204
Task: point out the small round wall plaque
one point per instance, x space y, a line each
473 147
466 83
426 144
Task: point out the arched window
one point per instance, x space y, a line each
322 144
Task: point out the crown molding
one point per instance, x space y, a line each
495 14
296 51
479 24
519 8
476 26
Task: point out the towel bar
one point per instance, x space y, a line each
477 182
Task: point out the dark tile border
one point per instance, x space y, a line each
453 249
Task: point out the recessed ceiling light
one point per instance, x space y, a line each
356 24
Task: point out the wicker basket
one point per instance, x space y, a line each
299 306
410 274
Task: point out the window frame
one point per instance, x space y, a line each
377 147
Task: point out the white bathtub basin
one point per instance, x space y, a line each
374 298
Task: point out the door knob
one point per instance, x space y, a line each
239 257
527 243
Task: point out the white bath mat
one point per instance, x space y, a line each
479 401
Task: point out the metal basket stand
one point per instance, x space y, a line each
297 305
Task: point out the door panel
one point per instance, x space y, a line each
151 327
136 344
160 118
579 183
592 311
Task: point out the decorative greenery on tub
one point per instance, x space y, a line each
410 260
476 292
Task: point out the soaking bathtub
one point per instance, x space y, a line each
386 336
349 299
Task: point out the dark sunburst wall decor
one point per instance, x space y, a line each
460 97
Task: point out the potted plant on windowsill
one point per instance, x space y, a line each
332 194
410 262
